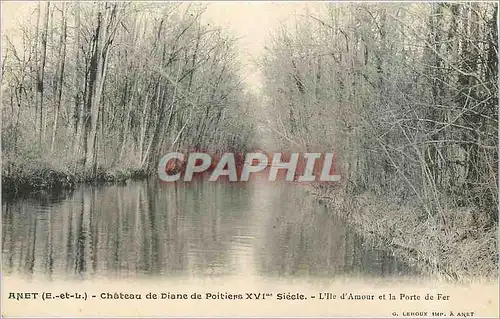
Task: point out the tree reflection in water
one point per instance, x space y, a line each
145 229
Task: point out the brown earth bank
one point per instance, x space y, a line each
23 178
459 244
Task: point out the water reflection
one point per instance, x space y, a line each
301 238
199 229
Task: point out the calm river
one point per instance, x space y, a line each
213 239
147 229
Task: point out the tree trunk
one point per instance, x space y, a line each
61 76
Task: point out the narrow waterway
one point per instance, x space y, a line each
212 239
259 229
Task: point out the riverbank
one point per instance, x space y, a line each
459 246
27 177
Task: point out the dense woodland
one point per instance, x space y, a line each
91 87
405 94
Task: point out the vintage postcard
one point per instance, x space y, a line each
249 159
